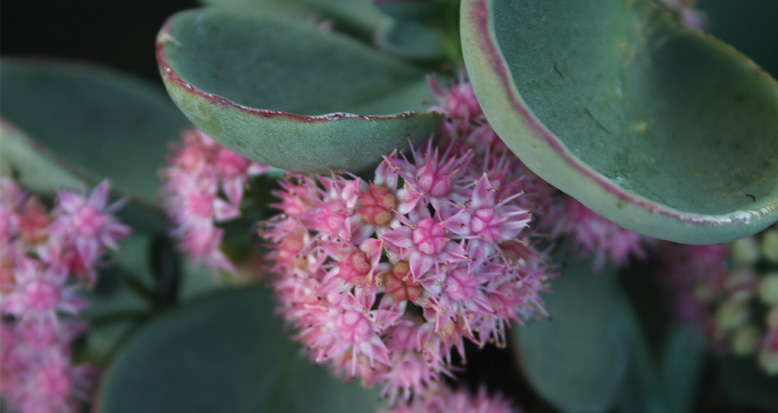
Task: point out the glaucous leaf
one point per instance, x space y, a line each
85 122
290 95
578 359
224 352
658 127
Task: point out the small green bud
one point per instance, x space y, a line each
741 284
768 360
746 340
746 250
770 245
768 289
704 293
731 315
772 317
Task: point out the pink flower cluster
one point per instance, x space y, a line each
46 258
594 236
445 400
731 292
382 278
204 186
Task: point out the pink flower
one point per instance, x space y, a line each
47 258
444 400
204 186
592 234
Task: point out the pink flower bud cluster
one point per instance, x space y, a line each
382 278
204 186
594 236
46 258
444 400
731 292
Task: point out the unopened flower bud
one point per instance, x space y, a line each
746 250
768 353
741 283
772 317
704 292
746 340
770 245
768 289
730 315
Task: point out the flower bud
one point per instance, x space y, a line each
772 317
746 340
741 283
730 315
768 289
770 246
746 250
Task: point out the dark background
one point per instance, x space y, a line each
119 34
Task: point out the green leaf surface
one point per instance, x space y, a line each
412 9
75 122
359 15
643 391
682 361
660 128
290 95
745 382
225 352
577 360
411 40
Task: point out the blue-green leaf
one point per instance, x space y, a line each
578 359
656 126
289 95
225 352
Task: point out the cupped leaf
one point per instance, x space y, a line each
225 352
656 126
288 94
85 122
578 359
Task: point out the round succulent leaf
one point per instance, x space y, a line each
85 122
224 352
658 127
578 359
411 40
289 94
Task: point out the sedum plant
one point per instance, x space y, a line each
398 205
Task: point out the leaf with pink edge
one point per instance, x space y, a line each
290 95
656 126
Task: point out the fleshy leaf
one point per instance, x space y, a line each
290 95
91 122
411 40
64 123
225 352
578 359
656 126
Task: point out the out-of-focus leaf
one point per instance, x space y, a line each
578 359
225 352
